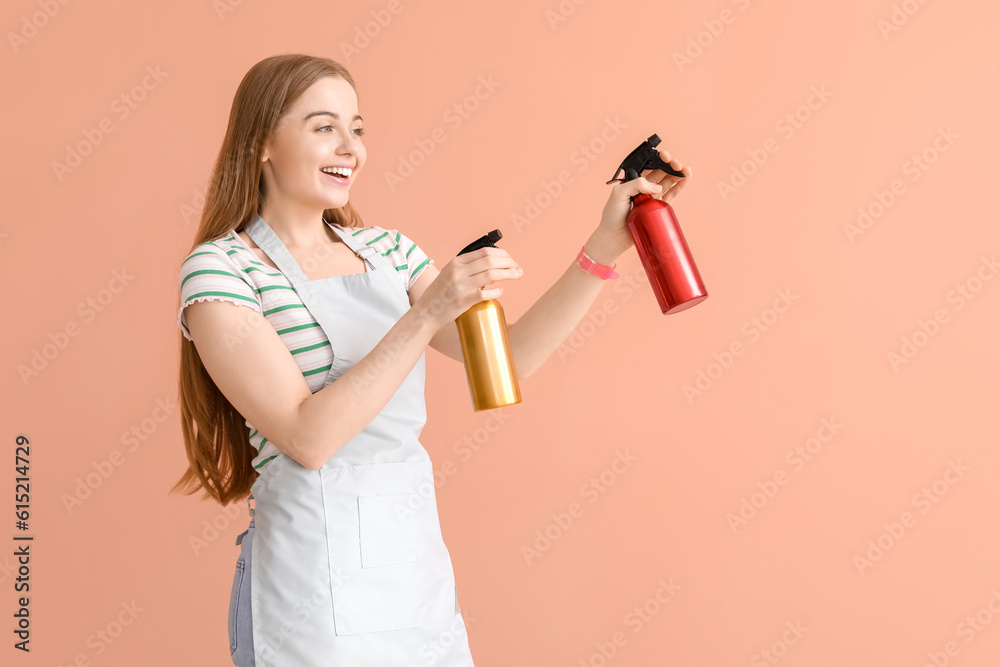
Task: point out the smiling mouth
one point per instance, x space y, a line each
340 179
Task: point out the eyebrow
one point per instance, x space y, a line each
328 113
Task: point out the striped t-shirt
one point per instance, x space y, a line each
228 269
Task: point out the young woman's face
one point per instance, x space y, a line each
321 130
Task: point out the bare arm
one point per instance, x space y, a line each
360 394
540 331
253 368
537 333
446 340
550 320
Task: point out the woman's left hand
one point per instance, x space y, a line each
656 183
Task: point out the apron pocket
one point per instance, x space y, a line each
390 530
389 568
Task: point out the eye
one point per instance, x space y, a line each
360 131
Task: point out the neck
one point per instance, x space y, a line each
298 226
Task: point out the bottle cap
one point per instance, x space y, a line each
644 157
483 241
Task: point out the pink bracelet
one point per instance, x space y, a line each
593 268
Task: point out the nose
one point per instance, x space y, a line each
350 139
348 146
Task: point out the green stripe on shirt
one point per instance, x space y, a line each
277 299
201 272
420 266
216 293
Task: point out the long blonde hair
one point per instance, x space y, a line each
215 434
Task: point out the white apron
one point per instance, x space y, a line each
347 564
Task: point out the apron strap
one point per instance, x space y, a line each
239 538
266 239
366 252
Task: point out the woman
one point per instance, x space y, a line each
343 562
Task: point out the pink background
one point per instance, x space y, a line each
672 516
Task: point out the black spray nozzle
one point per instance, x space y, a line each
483 241
644 157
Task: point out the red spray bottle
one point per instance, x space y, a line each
658 238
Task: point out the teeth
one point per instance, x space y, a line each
343 171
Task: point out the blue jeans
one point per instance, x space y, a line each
240 619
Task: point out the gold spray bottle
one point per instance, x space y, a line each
489 364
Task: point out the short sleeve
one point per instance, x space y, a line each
413 260
208 274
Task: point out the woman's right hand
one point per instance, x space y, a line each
459 284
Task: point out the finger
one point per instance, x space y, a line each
637 185
483 266
670 181
480 253
495 293
658 175
674 190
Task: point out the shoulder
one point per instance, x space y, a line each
224 253
402 251
215 264
390 242
376 236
